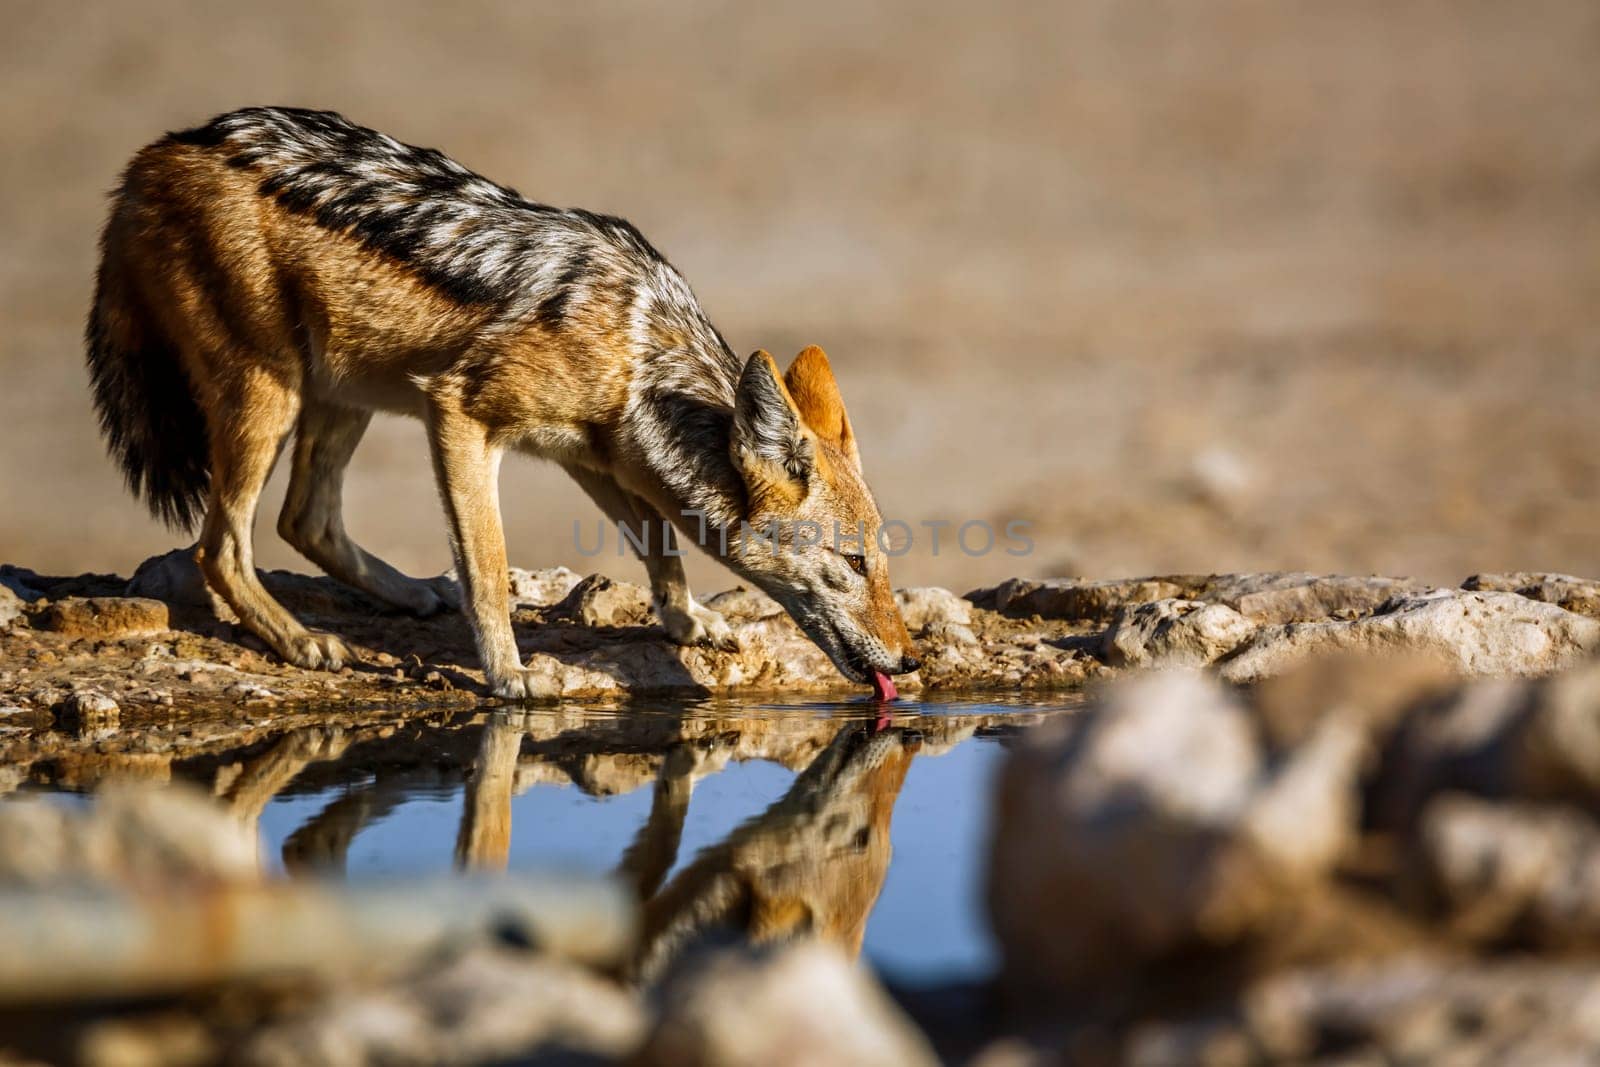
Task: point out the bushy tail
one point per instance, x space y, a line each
153 427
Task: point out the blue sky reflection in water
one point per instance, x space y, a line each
927 924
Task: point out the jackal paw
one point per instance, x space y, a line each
315 651
315 743
696 625
520 683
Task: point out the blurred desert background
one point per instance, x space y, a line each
1229 286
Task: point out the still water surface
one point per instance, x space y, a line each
776 820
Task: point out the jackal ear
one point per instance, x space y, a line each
816 396
769 445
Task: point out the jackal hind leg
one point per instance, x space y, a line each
312 519
686 621
249 416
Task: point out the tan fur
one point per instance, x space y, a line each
243 287
773 491
815 393
285 325
810 389
484 839
812 865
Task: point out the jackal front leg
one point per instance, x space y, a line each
484 839
467 466
686 621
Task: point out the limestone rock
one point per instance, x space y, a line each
540 588
806 1004
1581 595
103 616
601 601
929 606
1476 633
1175 633
1077 598
248 693
1271 597
89 713
1373 693
1220 477
1299 597
1232 621
11 609
1558 756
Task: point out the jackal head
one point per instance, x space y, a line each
817 551
811 866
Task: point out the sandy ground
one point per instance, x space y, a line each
1230 286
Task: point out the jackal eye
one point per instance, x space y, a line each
857 563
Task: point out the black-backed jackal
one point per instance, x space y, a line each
281 270
811 865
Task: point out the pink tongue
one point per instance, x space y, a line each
883 687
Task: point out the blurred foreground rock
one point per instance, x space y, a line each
806 1005
1408 1010
1169 826
488 1006
1366 857
1513 873
147 890
132 835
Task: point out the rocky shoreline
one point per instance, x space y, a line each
87 647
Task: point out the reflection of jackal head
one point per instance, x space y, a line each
811 865
793 446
